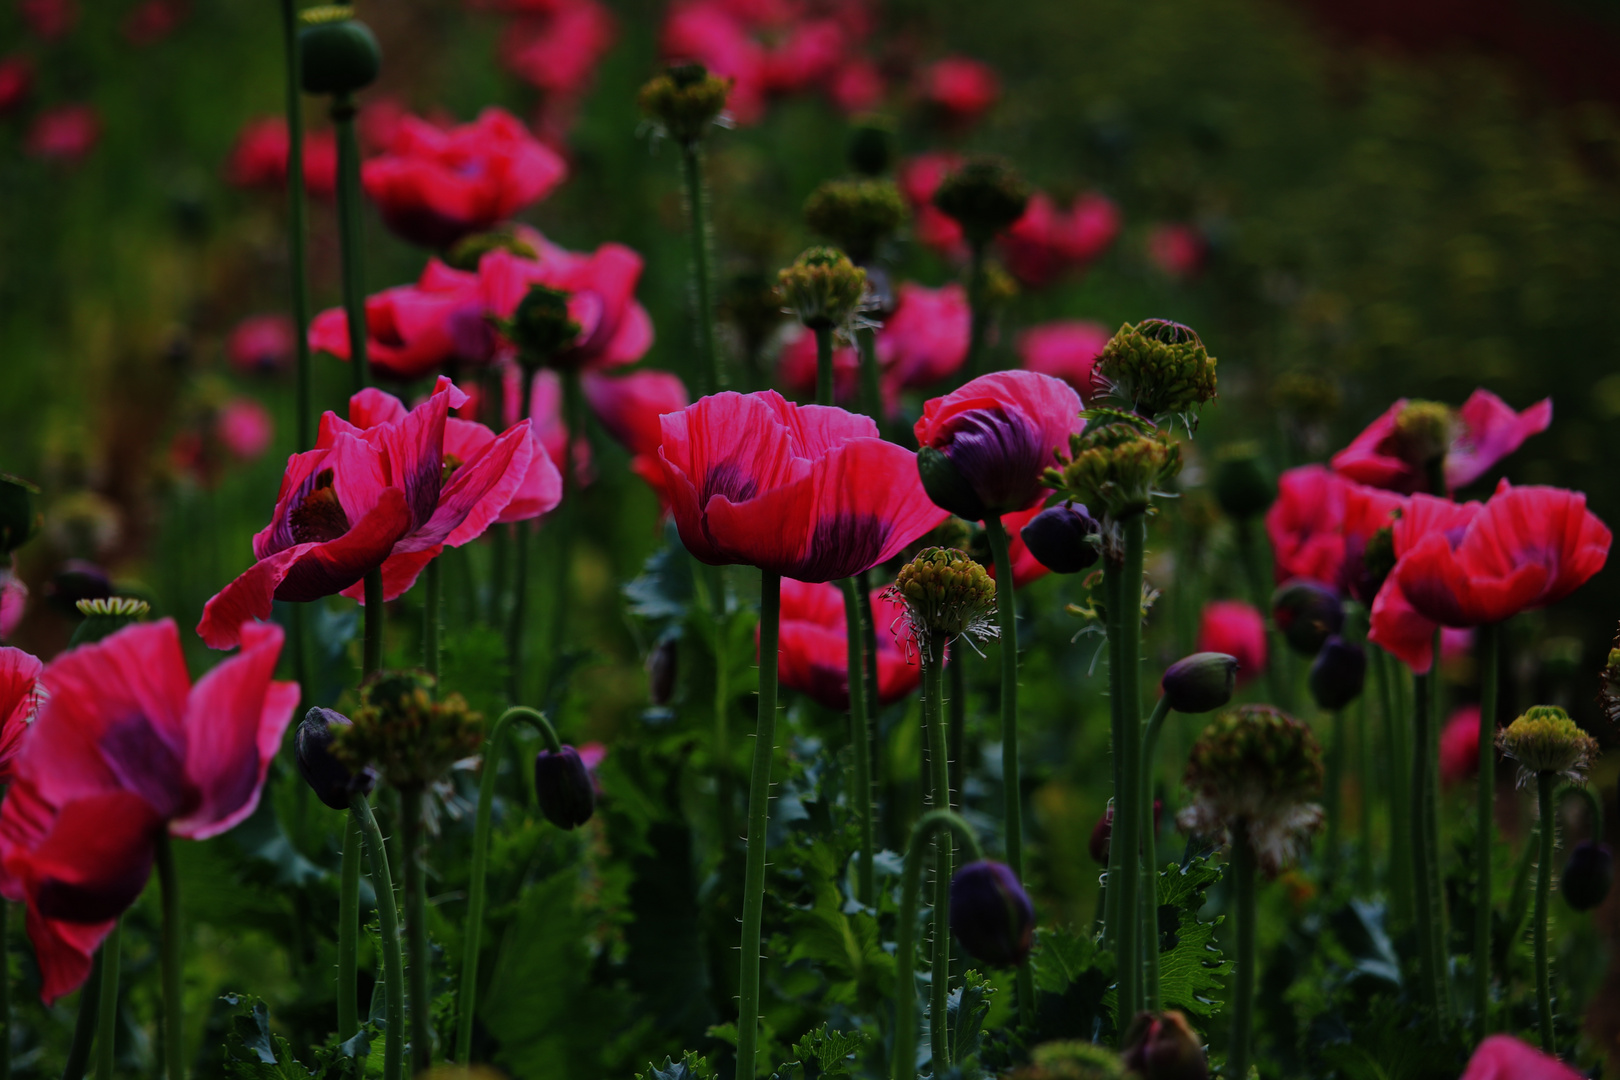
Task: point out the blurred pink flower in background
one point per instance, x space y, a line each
960 87
412 329
1177 250
926 339
153 20
260 344
1046 242
244 428
16 80
1237 629
49 19
258 158
66 133
919 177
1459 746
13 599
1067 349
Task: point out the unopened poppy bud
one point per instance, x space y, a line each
984 196
337 53
1423 432
1102 833
19 521
1200 683
1242 488
563 785
333 782
1338 673
1546 740
1158 367
822 287
871 145
103 618
541 327
991 914
1164 1047
1587 875
685 101
857 215
1306 612
1117 463
661 668
947 487
946 594
1063 538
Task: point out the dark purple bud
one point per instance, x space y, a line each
1587 875
1338 673
991 914
1164 1047
661 666
1306 612
1063 538
333 782
1200 683
563 785
79 580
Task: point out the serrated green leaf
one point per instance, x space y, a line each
692 1066
1192 971
1059 957
966 1009
824 1053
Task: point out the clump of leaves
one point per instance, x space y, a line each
253 1052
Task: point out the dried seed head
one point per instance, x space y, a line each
1116 464
409 737
984 196
1159 368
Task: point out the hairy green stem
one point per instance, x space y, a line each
568 518
1126 685
84 1027
110 958
432 616
1549 830
173 1048
939 778
1334 797
1489 645
697 200
871 385
348 1001
824 365
375 614
350 237
860 739
382 883
478 885
1243 865
956 723
1150 860
1116 720
759 791
1395 761
517 618
863 581
1426 917
418 962
718 610
904 1063
978 306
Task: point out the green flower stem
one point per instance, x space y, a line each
1489 645
1549 829
84 1027
871 385
863 582
382 883
1116 718
979 308
375 614
1126 686
109 958
860 738
1237 1059
1334 796
713 580
1364 828
1150 861
173 1049
1424 879
350 236
1277 684
697 202
1431 822
1011 784
824 365
1519 896
956 722
517 617
939 783
432 616
348 1002
418 961
1394 763
568 518
477 887
904 1062
759 791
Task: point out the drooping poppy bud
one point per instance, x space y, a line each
103 618
661 669
1241 487
338 53
1338 673
1306 612
1164 1047
1200 683
334 783
685 101
1546 740
991 914
563 785
857 215
984 196
18 519
822 287
870 151
1587 875
1063 538
1159 368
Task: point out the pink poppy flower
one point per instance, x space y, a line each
1177 250
261 343
1236 629
1502 1057
707 32
66 133
1395 625
807 54
373 493
558 51
601 286
244 428
20 699
926 338
126 748
541 488
1486 431
16 80
1459 746
49 19
1306 525
434 187
412 330
857 86
813 650
960 87
545 415
1046 242
1067 349
629 407
258 159
918 179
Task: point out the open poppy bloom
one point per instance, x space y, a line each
411 330
125 748
925 339
435 187
1045 242
1067 349
20 698
260 344
813 653
601 286
1484 431
807 492
1502 1057
1395 625
1320 524
542 486
1238 630
375 492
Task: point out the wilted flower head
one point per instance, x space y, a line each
684 101
1159 368
1546 740
823 288
946 595
856 214
1257 766
409 737
1118 463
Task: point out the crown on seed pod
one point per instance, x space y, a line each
1117 463
1546 740
1423 432
338 54
409 737
1159 368
983 196
823 288
946 594
856 214
105 616
685 101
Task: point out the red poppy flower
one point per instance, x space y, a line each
1067 349
807 54
20 699
259 158
1236 629
918 179
1026 568
1046 242
125 748
66 133
1395 625
807 492
541 488
1502 1057
629 407
707 32
1486 431
926 338
601 286
1177 250
154 20
412 330
1367 511
373 493
16 79
545 416
857 86
961 87
557 50
49 19
261 343
434 187
244 428
1459 746
1319 526
1529 547
1000 431
813 654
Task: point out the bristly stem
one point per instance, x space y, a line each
84 1027
824 365
517 618
1150 857
173 1048
1426 917
1237 1059
956 721
348 1002
1011 782
568 517
477 886
871 384
1395 755
697 201
432 616
375 614
1116 719
939 785
904 1063
350 229
759 791
714 580
860 739
1126 684
1549 831
382 883
110 959
1489 645
869 629
418 962
295 223
978 307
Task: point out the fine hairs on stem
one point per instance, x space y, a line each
388 918
759 789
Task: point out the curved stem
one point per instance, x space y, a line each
1237 1060
375 614
1488 639
1549 829
84 1027
295 221
860 738
759 790
348 1002
904 1062
697 200
477 886
432 616
1150 857
871 385
350 230
1334 797
1127 833
939 778
418 961
173 1051
1011 782
382 883
110 959
824 365
979 307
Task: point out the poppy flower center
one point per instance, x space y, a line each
319 515
451 464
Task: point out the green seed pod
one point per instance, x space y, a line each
1159 368
823 288
857 215
1116 464
541 327
984 196
871 145
685 101
337 53
946 594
